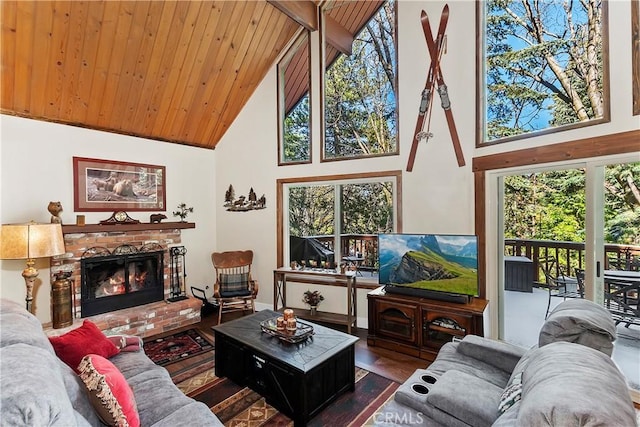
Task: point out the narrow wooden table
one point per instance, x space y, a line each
298 379
318 277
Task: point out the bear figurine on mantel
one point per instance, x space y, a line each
156 218
54 209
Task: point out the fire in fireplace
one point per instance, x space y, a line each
126 277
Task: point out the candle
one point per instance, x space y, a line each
280 325
291 324
288 314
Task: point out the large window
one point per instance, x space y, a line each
360 80
338 215
543 67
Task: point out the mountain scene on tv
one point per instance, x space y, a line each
445 263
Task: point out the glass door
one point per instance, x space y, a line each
543 225
617 268
585 216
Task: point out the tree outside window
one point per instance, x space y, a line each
360 106
544 67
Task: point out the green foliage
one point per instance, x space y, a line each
311 210
551 205
296 132
366 208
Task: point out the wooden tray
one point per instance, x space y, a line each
302 332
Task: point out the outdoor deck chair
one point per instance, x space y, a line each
559 284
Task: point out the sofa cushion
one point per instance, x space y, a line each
450 358
33 392
77 343
466 397
566 384
500 354
580 321
109 392
190 415
152 386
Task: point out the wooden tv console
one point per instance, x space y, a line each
420 326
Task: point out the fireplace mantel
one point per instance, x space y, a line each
108 228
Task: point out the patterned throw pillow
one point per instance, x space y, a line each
511 394
77 343
232 285
109 392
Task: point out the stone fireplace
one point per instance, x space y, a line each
87 246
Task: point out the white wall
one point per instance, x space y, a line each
438 196
36 167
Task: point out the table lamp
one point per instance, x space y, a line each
29 241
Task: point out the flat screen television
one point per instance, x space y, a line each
436 266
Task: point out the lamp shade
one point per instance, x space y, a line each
31 240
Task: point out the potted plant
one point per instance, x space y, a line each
312 298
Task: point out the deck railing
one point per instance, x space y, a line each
569 255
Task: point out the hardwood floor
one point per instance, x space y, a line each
389 364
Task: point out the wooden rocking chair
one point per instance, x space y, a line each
234 289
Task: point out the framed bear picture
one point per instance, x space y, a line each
110 185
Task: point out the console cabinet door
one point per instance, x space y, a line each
397 321
439 328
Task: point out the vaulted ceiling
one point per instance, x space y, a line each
178 71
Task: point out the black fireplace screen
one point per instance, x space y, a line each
115 282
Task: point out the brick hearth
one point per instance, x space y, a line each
145 320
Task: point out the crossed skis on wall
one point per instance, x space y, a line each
434 78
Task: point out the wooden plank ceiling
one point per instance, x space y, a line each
178 71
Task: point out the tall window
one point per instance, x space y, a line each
342 214
294 79
360 86
544 67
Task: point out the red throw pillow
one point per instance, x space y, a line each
109 392
87 339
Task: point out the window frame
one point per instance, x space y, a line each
282 211
481 92
291 52
323 67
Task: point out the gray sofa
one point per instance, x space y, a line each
568 379
38 389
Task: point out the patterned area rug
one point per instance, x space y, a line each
176 347
241 406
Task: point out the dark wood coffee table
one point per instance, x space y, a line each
298 379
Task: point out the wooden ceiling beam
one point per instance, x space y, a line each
337 35
304 12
